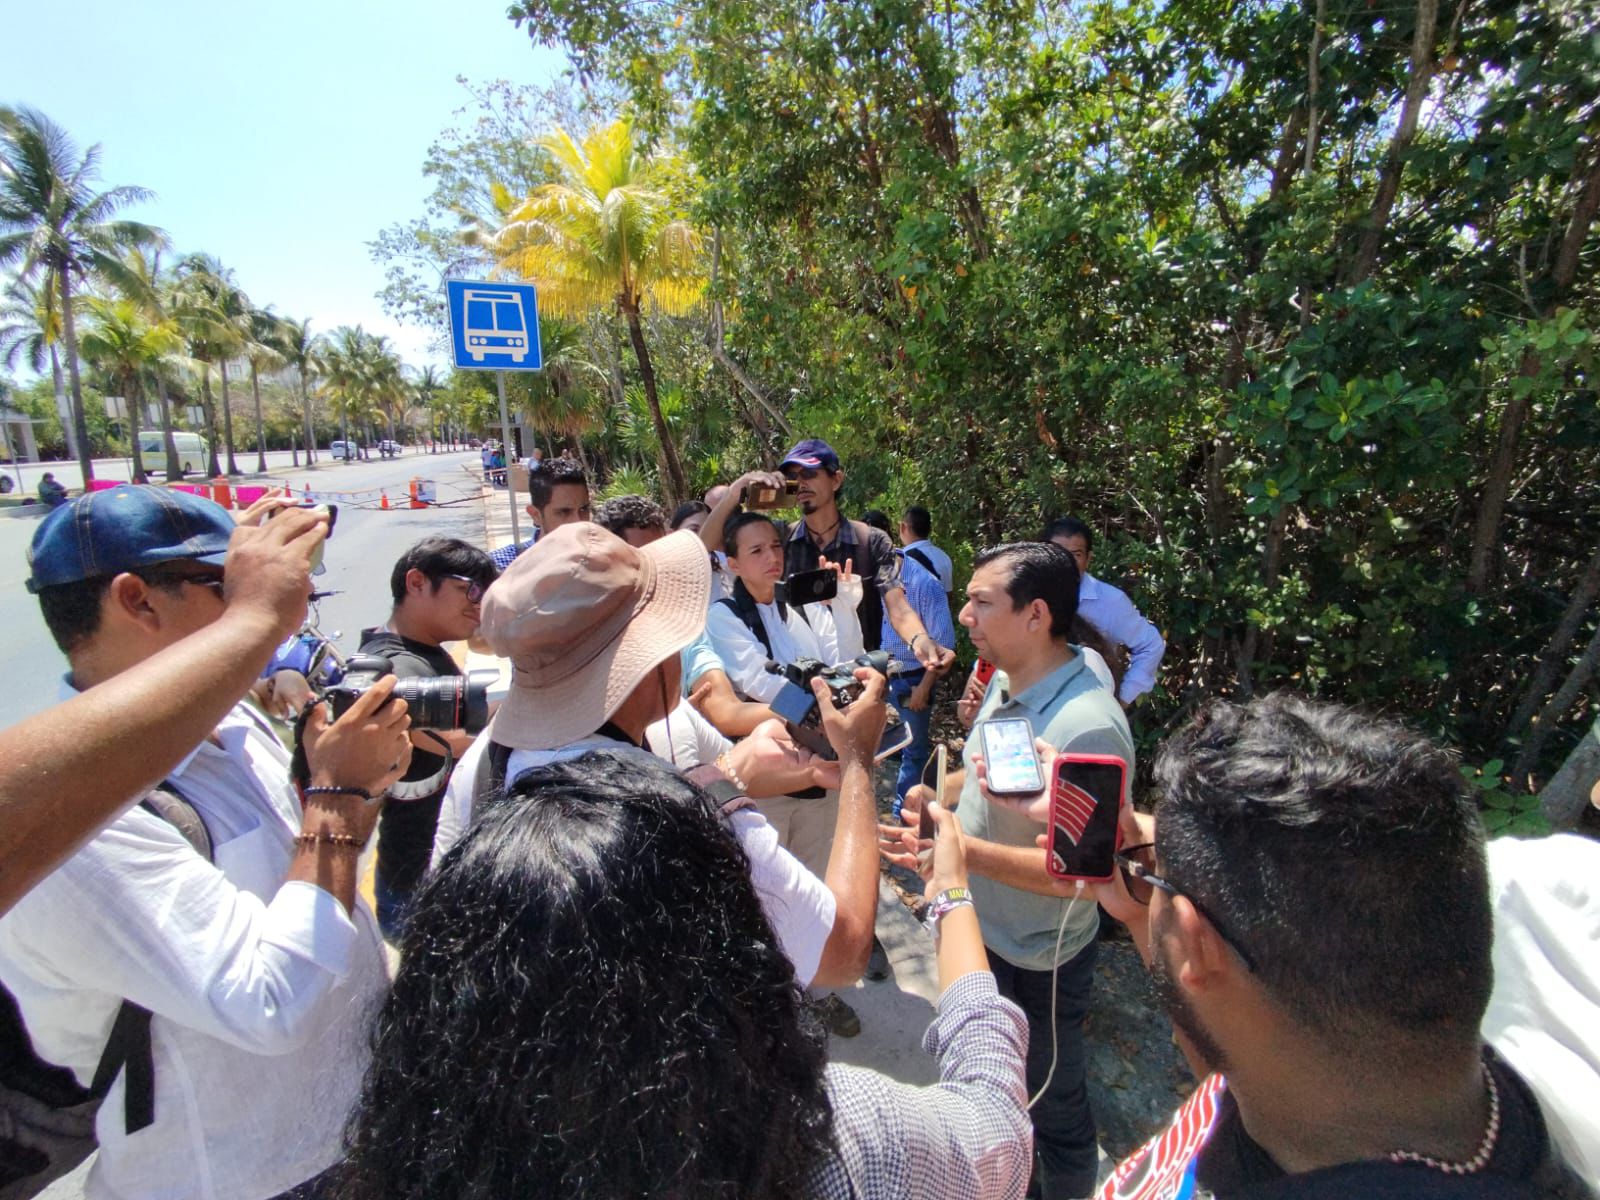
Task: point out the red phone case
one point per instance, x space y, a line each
1072 808
983 672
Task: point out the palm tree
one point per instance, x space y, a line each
53 224
123 342
297 346
151 290
260 353
425 389
30 331
210 310
606 233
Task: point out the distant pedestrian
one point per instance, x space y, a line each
51 493
1109 610
916 527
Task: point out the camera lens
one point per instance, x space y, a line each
451 702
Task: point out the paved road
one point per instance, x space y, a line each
359 557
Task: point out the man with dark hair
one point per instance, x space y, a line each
216 926
51 493
558 494
1315 912
437 587
1110 611
637 520
1019 611
814 470
916 528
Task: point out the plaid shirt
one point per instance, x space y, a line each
965 1138
503 556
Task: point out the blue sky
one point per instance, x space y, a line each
279 137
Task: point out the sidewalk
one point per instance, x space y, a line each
895 1012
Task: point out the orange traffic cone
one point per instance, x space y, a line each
308 493
385 504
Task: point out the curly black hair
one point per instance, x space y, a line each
591 1002
621 513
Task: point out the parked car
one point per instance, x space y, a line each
389 449
345 450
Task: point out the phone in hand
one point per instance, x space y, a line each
758 497
983 671
925 825
809 587
333 519
1085 802
1009 758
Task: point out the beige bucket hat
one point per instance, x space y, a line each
584 617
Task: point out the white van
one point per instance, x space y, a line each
193 451
343 449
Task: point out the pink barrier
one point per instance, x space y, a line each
244 497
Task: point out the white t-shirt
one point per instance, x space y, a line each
830 633
797 903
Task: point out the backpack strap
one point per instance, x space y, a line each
743 605
128 1049
922 558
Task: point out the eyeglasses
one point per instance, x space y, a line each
475 590
807 473
168 578
1138 865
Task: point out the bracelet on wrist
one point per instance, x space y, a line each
310 841
725 765
332 790
945 903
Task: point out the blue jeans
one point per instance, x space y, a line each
914 758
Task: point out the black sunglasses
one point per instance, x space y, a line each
159 577
475 590
1138 865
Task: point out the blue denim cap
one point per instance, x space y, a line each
124 528
813 452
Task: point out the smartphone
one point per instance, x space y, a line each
983 671
333 516
1011 761
809 587
925 826
758 497
1085 801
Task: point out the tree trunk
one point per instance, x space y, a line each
1563 798
63 406
1422 68
135 396
1544 673
209 408
227 417
174 463
261 429
1271 559
80 423
677 484
1577 679
305 410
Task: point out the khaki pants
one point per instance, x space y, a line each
805 827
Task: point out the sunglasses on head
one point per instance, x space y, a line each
1138 865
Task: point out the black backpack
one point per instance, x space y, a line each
46 1117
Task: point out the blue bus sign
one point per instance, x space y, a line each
494 326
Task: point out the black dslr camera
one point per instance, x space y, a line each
798 706
447 702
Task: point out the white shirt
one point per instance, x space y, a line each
799 906
1110 611
830 633
262 991
942 566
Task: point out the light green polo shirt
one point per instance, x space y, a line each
1070 709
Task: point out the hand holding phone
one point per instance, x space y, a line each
1011 764
759 497
925 826
1085 806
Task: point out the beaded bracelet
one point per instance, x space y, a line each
337 791
725 765
308 841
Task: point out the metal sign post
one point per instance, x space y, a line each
505 442
495 326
